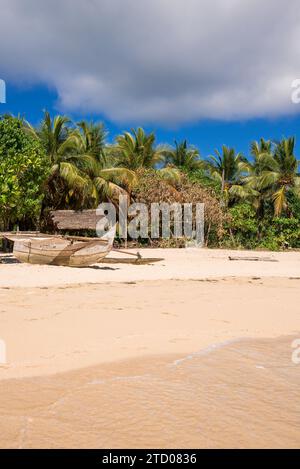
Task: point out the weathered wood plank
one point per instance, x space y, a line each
75 220
252 258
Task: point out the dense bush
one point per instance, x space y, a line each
23 169
245 230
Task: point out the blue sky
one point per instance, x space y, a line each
207 134
214 73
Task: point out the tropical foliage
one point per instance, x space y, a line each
250 202
23 170
184 156
79 175
273 176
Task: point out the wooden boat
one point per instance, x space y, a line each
71 251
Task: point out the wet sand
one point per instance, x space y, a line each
243 395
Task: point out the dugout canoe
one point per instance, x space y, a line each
58 250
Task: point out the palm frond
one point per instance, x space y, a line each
279 199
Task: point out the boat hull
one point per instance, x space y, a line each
62 252
34 252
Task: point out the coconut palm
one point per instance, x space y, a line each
89 138
261 147
251 172
79 176
136 150
282 178
68 179
262 159
184 156
272 175
88 141
224 167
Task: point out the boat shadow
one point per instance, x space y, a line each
8 259
98 267
140 261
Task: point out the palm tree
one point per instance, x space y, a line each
272 175
78 176
88 141
90 138
68 179
262 159
251 172
224 168
184 156
53 134
136 151
282 178
262 147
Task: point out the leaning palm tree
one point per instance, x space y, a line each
184 156
79 174
68 178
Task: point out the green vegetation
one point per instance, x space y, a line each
23 171
250 202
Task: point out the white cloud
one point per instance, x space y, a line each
162 61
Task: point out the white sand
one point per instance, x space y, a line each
54 319
183 264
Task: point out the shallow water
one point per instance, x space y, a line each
239 394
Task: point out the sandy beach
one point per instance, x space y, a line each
64 328
181 264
